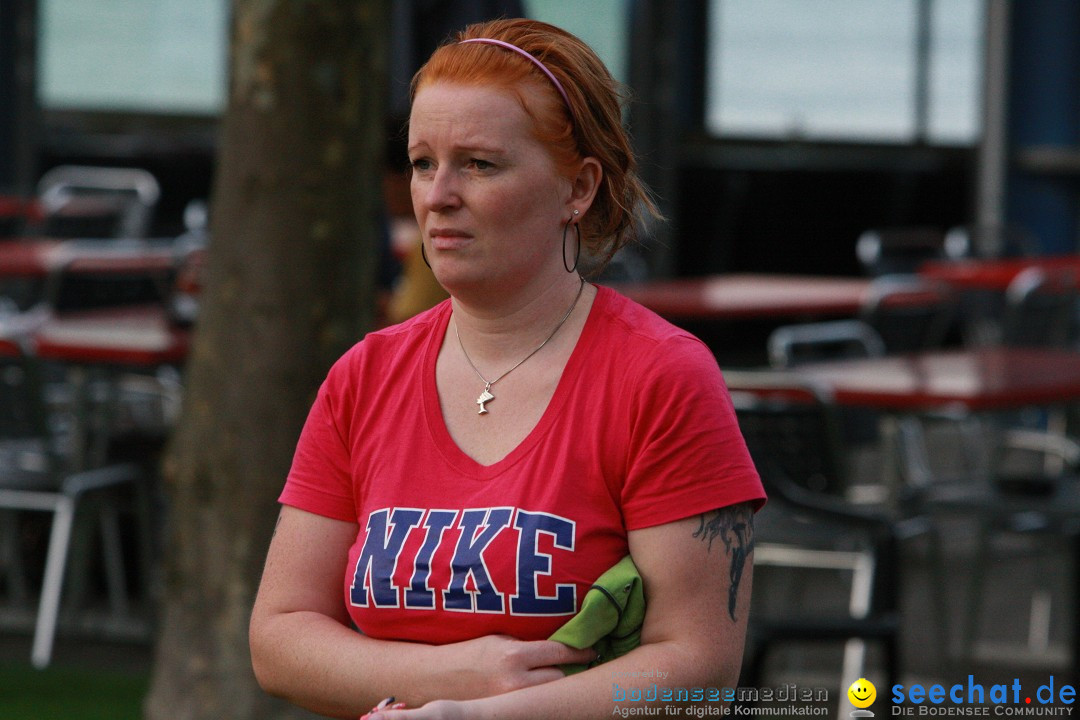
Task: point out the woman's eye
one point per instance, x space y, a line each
420 164
481 164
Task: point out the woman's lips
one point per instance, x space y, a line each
449 239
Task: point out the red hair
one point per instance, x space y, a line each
590 126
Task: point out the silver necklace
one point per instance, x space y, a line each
486 396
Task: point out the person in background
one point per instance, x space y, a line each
465 477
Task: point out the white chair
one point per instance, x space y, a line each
1041 308
793 437
36 475
791 345
908 312
887 251
123 199
989 241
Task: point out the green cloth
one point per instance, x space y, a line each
610 617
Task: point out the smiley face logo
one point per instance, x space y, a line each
862 693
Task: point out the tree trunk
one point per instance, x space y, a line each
296 211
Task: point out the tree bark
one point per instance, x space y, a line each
296 211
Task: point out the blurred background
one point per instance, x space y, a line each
829 143
807 120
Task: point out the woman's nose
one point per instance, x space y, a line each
442 191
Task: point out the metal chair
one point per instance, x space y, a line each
794 440
908 312
989 241
37 474
83 201
791 345
1041 308
898 250
1018 502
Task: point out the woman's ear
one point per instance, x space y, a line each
586 183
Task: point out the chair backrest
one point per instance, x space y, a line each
1041 307
89 291
908 312
886 251
989 241
82 201
792 345
791 432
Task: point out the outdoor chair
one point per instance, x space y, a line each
792 345
989 241
808 525
908 312
89 202
1041 308
38 473
1018 511
898 250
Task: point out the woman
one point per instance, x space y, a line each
473 470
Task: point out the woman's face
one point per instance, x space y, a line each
486 193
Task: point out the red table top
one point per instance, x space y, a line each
40 256
125 336
992 274
749 295
991 378
25 257
23 207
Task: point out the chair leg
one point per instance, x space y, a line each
973 602
11 558
114 561
147 542
56 559
940 579
853 666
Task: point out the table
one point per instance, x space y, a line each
976 379
17 211
981 285
42 256
72 274
744 296
31 257
992 274
98 347
134 336
981 379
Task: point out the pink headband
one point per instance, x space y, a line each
527 56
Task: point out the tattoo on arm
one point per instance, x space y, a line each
734 525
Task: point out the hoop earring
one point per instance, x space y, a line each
577 255
423 254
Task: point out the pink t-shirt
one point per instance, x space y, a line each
640 432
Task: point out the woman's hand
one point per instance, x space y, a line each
490 665
435 710
497 664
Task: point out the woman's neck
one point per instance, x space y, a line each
516 324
